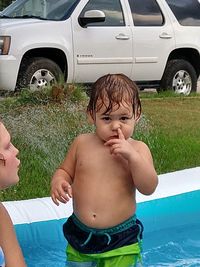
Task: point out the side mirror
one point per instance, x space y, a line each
92 16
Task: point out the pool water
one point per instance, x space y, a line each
171 236
173 247
50 255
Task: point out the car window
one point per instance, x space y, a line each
187 12
146 13
111 8
44 9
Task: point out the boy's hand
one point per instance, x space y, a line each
120 146
61 190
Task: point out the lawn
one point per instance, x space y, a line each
176 123
43 128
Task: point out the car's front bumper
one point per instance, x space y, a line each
8 72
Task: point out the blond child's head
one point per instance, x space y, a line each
9 164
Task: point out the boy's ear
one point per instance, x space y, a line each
90 118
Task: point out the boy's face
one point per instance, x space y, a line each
107 124
9 164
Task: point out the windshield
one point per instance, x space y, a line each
42 9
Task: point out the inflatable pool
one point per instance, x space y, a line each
171 217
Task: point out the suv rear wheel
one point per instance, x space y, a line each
179 76
36 73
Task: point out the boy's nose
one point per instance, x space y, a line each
115 125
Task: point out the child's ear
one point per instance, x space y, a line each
90 119
138 118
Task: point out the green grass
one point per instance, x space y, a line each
43 128
175 123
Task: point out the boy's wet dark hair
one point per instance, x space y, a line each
115 89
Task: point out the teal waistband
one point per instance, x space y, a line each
111 230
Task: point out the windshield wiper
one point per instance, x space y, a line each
25 17
5 17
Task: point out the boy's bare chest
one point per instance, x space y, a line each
101 161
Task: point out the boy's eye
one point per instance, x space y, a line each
105 118
124 118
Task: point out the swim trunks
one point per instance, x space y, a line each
128 256
118 246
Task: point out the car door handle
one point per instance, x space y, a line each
165 35
122 36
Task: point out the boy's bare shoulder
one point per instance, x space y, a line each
142 148
139 145
80 142
86 137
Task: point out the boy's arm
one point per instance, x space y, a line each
139 160
8 241
142 169
61 190
62 179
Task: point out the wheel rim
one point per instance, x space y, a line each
40 79
182 83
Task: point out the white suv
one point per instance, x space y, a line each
154 42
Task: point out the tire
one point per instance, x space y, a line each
179 76
37 73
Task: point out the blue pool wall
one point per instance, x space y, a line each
170 212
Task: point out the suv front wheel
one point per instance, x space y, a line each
37 73
179 76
